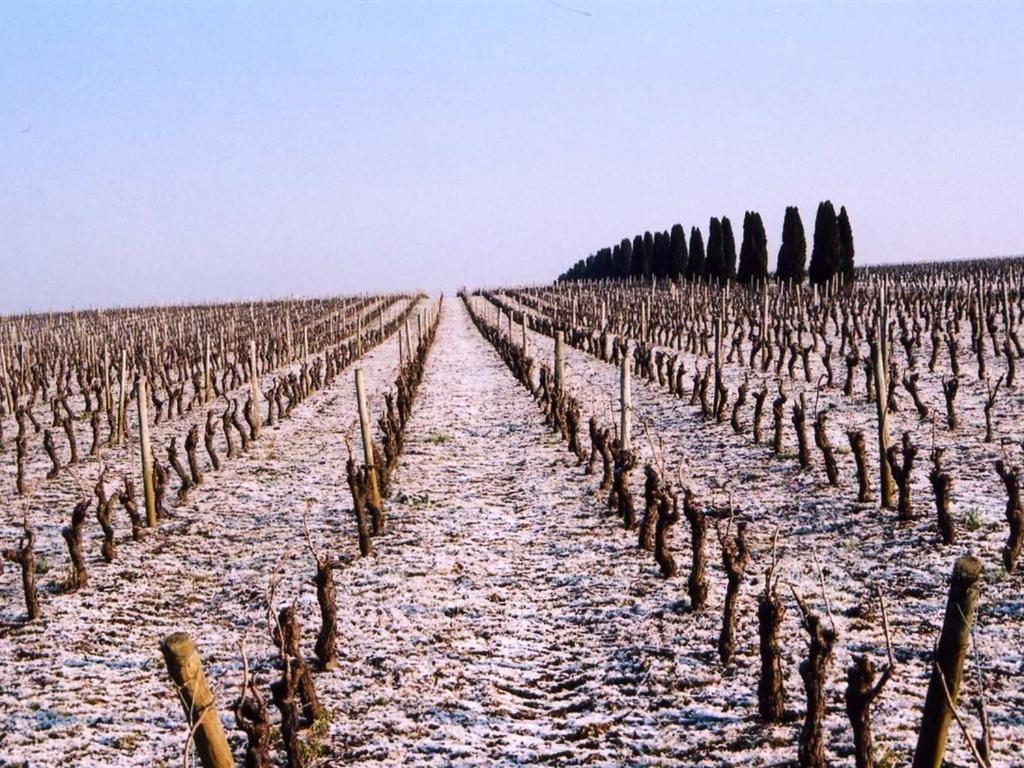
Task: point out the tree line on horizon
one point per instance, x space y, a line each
668 255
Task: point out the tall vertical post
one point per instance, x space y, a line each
186 670
146 453
559 360
881 365
254 384
364 429
121 396
764 314
717 323
526 349
948 663
207 371
108 397
7 382
625 405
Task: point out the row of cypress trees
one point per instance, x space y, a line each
667 254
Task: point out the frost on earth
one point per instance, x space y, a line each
505 615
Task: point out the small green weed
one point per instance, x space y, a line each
973 519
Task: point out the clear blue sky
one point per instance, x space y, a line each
155 152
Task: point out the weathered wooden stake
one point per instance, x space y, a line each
186 670
122 415
948 663
108 397
718 362
254 383
207 383
7 382
146 454
881 402
625 405
364 428
559 360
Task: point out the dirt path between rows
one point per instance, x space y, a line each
499 610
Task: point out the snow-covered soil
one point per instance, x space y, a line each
504 617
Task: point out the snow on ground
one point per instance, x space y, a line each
859 545
504 618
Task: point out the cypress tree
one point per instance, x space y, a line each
640 264
846 246
648 260
826 251
625 263
658 265
677 252
753 250
695 265
728 250
665 254
792 262
760 246
714 261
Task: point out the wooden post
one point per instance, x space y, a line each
882 402
949 657
254 386
146 453
121 396
408 341
207 382
186 670
108 397
559 360
625 405
1006 311
7 382
764 314
717 324
526 348
364 428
